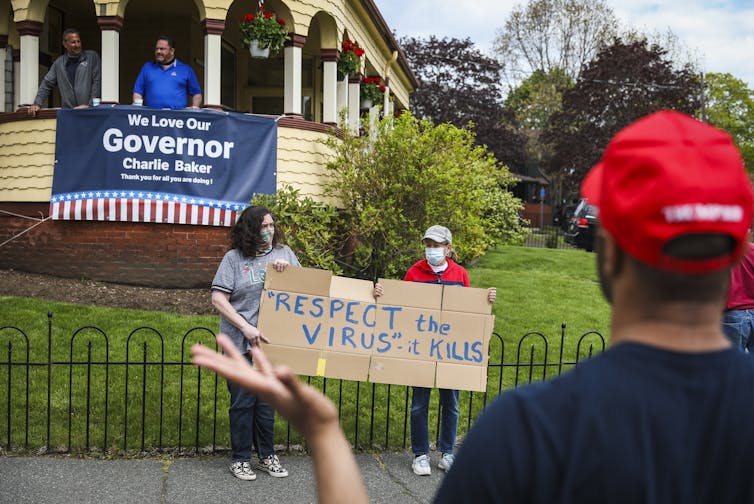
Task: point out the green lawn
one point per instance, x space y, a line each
153 406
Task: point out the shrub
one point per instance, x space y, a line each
407 174
309 227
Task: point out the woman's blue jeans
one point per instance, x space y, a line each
251 420
420 425
738 326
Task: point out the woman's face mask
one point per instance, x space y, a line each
435 255
266 234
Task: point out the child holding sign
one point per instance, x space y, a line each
438 266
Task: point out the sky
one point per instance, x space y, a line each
719 33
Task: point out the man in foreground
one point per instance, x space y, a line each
659 417
76 73
167 82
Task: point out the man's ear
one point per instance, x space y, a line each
612 262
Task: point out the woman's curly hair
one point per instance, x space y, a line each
245 234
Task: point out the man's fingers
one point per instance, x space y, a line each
227 345
290 380
207 358
264 338
261 360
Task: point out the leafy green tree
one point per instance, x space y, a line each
627 80
461 85
730 106
393 183
533 103
310 227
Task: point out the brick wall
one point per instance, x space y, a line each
155 255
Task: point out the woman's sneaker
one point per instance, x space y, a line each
420 465
272 466
446 461
242 470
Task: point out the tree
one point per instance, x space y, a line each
548 34
624 82
460 85
393 183
533 103
730 106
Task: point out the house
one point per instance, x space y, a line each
300 86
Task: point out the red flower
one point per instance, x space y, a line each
248 17
281 22
268 15
359 52
382 88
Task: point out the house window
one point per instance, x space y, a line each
266 80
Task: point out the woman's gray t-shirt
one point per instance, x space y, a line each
242 277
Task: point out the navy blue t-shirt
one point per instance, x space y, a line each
634 425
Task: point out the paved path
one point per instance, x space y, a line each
59 479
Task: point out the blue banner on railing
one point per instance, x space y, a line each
145 165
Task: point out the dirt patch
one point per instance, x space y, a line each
89 292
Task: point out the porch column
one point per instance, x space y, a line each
354 102
3 56
110 27
387 109
329 85
292 75
213 37
16 56
29 72
342 102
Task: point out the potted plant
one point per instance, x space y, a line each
371 91
350 58
263 33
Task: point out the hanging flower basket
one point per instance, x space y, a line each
258 52
372 90
266 29
350 59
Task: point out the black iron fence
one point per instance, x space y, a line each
80 394
546 237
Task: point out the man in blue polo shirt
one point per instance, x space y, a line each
166 82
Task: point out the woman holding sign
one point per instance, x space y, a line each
236 294
438 266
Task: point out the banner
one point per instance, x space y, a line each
136 164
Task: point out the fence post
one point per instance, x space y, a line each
49 374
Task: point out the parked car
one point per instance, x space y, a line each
582 226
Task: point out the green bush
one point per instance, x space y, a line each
309 227
405 174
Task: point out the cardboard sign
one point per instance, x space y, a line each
415 334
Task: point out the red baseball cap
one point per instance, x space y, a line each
668 175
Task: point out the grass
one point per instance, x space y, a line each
151 406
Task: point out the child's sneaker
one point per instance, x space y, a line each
271 465
446 461
242 470
420 465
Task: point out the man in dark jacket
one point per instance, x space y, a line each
77 74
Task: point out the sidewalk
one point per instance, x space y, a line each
55 479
